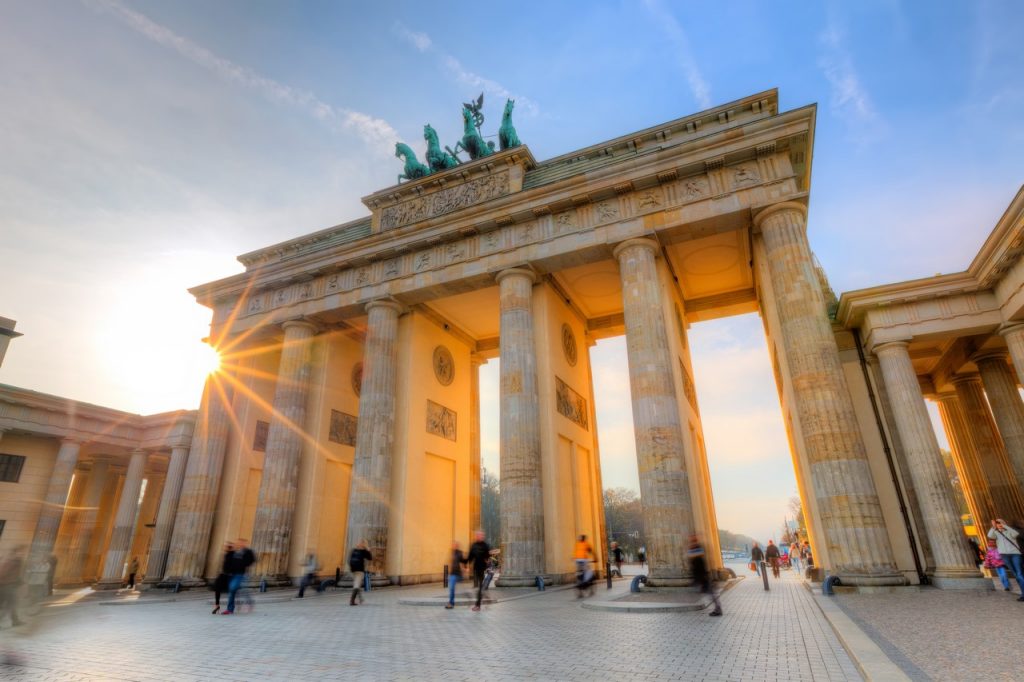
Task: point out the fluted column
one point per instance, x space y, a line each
664 486
848 503
522 504
1006 499
275 508
165 514
124 523
474 443
85 526
1013 334
369 502
965 459
52 510
954 564
1001 388
193 522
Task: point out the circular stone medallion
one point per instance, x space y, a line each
569 345
444 365
357 378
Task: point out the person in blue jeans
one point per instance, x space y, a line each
241 559
454 573
1008 545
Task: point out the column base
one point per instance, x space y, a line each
184 582
272 581
521 580
862 580
669 582
962 583
108 585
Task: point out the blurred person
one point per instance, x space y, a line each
51 571
994 563
756 557
794 556
12 567
357 567
979 554
1008 544
308 574
641 556
702 574
479 556
582 555
133 570
238 565
771 555
223 579
617 557
454 573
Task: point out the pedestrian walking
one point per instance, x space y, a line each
51 571
771 555
11 568
617 557
238 565
641 556
794 556
1008 544
308 574
756 557
994 563
479 556
701 573
133 570
223 579
582 555
979 554
357 567
454 573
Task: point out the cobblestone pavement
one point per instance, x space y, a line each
763 636
945 635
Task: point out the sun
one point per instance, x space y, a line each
207 360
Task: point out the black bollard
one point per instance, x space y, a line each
608 572
337 576
263 585
764 575
446 575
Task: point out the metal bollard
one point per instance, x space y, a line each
337 576
608 573
263 585
177 587
366 581
445 583
764 575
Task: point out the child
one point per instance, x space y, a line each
994 562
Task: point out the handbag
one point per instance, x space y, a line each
752 566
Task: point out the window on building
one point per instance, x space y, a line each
10 468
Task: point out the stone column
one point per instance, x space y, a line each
124 524
664 485
1013 334
52 511
474 443
275 508
965 458
848 503
954 563
989 449
81 539
522 505
1001 388
193 522
165 514
369 502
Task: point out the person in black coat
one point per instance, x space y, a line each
479 555
701 573
357 567
756 557
771 555
220 583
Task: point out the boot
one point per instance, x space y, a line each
352 601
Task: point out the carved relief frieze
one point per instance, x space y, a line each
445 201
492 241
569 345
259 437
689 390
343 428
357 378
648 200
455 252
745 174
444 365
392 267
441 421
606 211
571 404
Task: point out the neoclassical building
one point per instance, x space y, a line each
347 406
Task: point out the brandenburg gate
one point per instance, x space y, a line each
347 407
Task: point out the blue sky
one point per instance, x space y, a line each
143 145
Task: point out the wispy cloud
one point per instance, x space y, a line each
849 99
374 131
422 42
682 50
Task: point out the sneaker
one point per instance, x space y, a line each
715 613
449 606
226 613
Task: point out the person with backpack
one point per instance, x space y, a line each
238 565
1008 545
479 556
994 563
357 567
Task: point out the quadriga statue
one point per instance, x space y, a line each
507 137
438 159
414 170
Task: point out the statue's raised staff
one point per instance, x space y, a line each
507 137
414 170
437 158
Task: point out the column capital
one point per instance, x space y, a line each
779 207
965 378
300 323
71 440
1010 328
992 354
388 303
642 242
520 272
475 360
886 346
